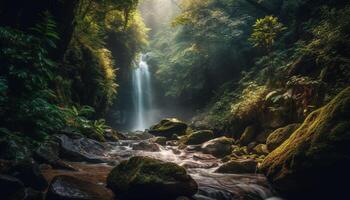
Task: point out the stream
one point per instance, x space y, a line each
212 186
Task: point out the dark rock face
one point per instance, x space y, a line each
30 174
146 146
218 147
82 149
280 135
70 188
11 188
148 178
48 153
168 128
248 135
314 160
238 167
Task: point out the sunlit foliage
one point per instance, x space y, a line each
265 32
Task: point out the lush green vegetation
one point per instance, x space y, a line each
42 94
255 63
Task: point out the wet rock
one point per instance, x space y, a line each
261 149
11 188
142 135
146 146
111 135
148 178
198 137
82 149
218 147
48 152
280 135
172 143
247 136
251 146
238 167
30 174
70 188
314 160
160 140
169 127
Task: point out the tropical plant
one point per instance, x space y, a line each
265 32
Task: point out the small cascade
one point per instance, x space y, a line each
142 94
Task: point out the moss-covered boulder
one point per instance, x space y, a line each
261 149
277 137
315 159
148 178
219 147
168 127
238 167
198 137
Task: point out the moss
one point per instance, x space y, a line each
169 127
278 136
318 148
198 137
143 173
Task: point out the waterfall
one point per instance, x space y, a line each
142 94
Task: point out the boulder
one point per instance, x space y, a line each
169 127
81 149
159 140
141 135
314 160
261 149
48 152
148 178
146 146
198 137
247 136
111 135
277 137
218 147
238 167
11 188
70 188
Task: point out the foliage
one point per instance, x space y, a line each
265 32
250 103
204 41
331 37
26 74
78 118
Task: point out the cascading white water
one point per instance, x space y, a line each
142 93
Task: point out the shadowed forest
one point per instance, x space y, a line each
174 99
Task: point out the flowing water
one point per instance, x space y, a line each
212 186
142 95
